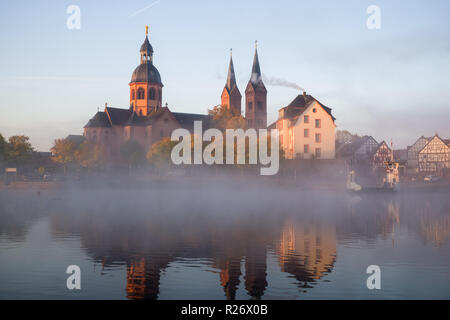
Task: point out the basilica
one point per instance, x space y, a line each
147 121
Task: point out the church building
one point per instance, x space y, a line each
146 120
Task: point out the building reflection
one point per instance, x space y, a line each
237 245
307 250
143 276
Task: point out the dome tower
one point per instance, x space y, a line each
145 85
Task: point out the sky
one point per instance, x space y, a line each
391 83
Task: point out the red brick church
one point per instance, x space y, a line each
147 121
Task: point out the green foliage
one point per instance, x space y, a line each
63 151
19 149
225 118
91 155
159 153
132 152
3 148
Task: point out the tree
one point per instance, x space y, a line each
159 153
132 152
91 155
19 150
226 118
3 148
64 152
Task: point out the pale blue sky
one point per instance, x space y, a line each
389 83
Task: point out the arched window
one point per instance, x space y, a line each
141 93
133 94
152 93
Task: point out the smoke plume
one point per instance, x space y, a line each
273 81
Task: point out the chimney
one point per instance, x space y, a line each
304 93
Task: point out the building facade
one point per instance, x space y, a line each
413 153
435 156
360 150
307 129
381 155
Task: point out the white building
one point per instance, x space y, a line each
307 129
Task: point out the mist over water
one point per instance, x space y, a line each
220 238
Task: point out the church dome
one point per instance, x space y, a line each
146 72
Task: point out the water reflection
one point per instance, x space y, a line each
146 234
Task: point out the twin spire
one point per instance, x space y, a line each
255 77
231 79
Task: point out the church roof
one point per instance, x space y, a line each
231 79
118 116
146 72
100 120
186 120
256 77
146 46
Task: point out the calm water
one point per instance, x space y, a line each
170 242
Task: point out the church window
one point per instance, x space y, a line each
141 93
152 94
250 106
133 94
260 105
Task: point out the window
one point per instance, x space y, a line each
318 123
306 133
141 93
306 148
318 138
152 94
133 94
260 106
250 106
306 119
318 152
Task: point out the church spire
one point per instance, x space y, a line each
256 70
231 79
146 49
231 97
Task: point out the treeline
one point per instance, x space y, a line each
16 151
